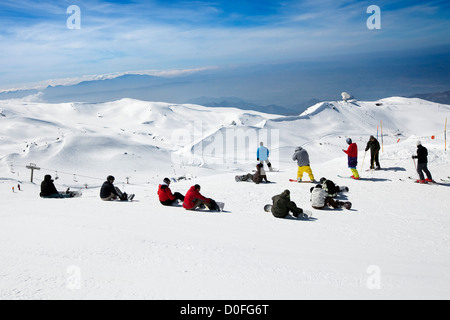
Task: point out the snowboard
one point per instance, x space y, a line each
221 206
71 194
295 180
124 196
306 214
342 177
66 195
76 194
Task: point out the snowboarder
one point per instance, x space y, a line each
375 148
320 199
304 166
331 188
49 191
259 176
166 197
352 153
282 205
422 166
194 200
263 156
109 192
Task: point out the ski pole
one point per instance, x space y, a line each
362 167
415 165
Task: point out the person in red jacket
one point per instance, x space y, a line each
166 197
194 200
352 153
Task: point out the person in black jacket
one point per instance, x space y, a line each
375 148
331 188
49 191
422 166
282 206
108 192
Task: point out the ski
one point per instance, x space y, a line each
415 180
446 183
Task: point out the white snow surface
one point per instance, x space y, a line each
393 244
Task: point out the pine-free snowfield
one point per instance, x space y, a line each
393 244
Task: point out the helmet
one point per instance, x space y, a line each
110 178
349 141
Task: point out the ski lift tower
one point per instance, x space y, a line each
32 167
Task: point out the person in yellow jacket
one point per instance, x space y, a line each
304 166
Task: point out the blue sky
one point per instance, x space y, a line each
123 36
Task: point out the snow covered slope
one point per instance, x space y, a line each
393 244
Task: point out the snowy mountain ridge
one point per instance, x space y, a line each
130 133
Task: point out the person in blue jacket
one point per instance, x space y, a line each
262 156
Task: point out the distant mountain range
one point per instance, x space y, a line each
283 89
151 88
233 102
438 97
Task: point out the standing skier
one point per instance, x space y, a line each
304 165
352 153
422 166
375 148
263 156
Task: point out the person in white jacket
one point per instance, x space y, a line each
320 199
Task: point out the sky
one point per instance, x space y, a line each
42 41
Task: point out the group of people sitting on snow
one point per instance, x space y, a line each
322 195
108 192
